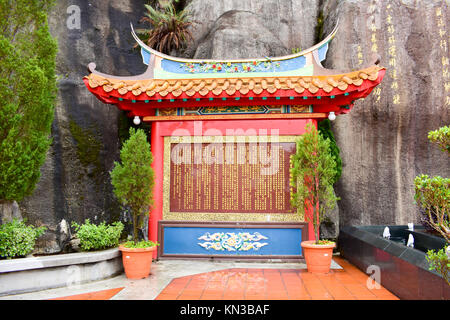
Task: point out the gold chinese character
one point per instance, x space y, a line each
394 85
394 74
391 39
447 86
374 47
438 12
442 32
389 19
396 99
374 37
444 61
391 29
392 62
443 44
392 51
447 100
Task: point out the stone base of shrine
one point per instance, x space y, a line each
271 241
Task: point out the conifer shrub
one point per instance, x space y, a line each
133 179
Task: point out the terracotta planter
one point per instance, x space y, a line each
137 262
318 257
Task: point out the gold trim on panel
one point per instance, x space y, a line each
218 216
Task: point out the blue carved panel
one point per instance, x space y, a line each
210 241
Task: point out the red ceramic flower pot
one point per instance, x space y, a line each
317 256
137 262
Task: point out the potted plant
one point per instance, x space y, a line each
133 182
313 169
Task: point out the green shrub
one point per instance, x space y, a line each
324 128
440 262
433 196
98 237
17 239
441 137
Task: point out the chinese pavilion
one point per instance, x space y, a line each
222 135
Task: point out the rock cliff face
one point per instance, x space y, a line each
383 140
252 28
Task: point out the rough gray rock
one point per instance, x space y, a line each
383 141
9 210
251 28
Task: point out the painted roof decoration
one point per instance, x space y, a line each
269 80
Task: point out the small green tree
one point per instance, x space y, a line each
27 94
133 179
313 170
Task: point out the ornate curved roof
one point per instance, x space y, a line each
298 78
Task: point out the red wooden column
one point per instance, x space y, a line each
157 147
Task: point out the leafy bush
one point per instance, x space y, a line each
440 262
433 196
312 175
98 237
441 137
17 239
169 27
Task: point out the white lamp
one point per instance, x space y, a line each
137 120
331 116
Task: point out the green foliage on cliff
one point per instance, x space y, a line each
169 26
432 195
441 137
133 178
27 94
324 127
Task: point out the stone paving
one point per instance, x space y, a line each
223 280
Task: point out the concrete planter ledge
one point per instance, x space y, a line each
41 273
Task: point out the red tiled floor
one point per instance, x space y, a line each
276 284
97 295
